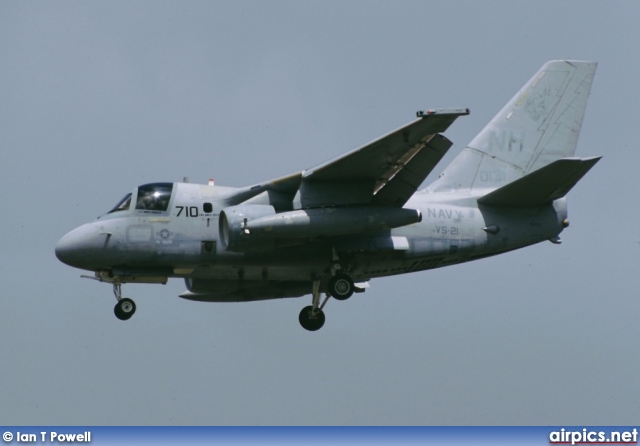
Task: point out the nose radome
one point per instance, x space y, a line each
78 246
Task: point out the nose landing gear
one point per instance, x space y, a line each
125 308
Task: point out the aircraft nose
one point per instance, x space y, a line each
78 247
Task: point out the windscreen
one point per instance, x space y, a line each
122 205
154 197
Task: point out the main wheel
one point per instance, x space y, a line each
309 322
341 286
124 309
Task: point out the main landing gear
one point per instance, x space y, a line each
312 318
340 287
125 308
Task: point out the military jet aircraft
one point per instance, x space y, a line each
332 228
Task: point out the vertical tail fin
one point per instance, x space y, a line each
538 126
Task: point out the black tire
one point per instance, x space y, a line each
311 323
124 309
341 287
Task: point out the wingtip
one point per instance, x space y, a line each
443 111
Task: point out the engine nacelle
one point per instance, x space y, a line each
257 228
234 233
331 222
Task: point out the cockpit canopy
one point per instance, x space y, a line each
149 197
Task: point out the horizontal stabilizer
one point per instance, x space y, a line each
542 186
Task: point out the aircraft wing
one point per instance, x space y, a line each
385 172
373 160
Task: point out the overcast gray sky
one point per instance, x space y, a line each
99 97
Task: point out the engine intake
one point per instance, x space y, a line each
234 233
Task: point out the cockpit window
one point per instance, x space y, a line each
154 197
123 204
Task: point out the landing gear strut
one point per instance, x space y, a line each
312 317
125 308
340 287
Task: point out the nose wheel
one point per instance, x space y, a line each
125 308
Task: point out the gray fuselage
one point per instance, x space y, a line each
147 245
